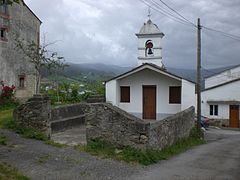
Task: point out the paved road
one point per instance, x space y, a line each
217 160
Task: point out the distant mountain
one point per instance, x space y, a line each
75 70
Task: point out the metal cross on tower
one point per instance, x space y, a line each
149 12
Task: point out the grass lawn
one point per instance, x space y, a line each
5 116
8 172
7 122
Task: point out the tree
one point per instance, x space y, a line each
8 2
40 57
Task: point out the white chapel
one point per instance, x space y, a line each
149 91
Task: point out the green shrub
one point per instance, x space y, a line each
196 133
6 104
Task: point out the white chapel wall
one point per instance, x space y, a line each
188 94
148 77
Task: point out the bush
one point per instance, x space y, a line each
7 100
196 133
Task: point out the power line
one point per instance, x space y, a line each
181 19
237 38
163 13
177 12
167 12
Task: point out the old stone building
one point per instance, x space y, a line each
15 69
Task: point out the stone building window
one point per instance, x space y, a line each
21 81
125 94
213 110
175 95
4 8
3 33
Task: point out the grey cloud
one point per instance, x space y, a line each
104 31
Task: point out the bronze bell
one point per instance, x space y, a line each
150 51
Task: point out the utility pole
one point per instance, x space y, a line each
198 84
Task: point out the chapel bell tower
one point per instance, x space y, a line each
149 44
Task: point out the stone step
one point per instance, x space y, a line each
67 123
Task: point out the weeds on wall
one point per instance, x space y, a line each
133 155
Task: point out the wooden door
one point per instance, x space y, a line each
149 102
234 116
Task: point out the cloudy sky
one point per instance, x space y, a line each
103 31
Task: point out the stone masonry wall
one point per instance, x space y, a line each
35 113
105 122
68 116
168 131
111 124
19 21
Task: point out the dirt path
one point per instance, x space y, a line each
40 161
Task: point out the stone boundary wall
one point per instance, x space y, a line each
105 122
35 113
67 111
219 122
69 116
111 124
168 131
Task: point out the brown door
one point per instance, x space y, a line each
234 116
149 102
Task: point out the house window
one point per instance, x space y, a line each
175 95
21 81
125 94
213 110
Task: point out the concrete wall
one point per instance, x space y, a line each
111 124
20 22
223 77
